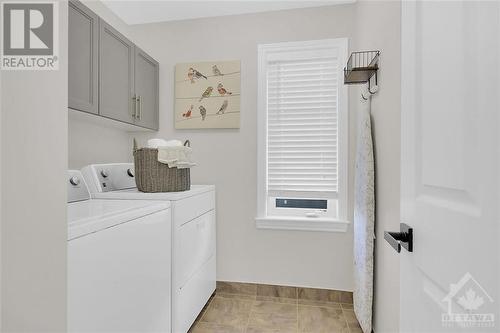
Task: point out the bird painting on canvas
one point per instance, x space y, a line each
207 94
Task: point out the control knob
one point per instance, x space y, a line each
74 181
130 172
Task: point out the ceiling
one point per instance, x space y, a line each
139 12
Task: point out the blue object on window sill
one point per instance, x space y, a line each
302 203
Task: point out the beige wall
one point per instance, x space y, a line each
90 142
378 27
228 158
33 195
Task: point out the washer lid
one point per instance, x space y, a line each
85 217
135 194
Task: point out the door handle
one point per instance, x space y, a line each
404 237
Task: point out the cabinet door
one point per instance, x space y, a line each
146 90
82 58
116 75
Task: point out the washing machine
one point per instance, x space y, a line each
193 235
119 263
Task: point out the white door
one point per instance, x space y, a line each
450 166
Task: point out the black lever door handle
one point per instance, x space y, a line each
402 238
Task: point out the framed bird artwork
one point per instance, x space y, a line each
207 95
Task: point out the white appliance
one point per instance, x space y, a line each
119 263
194 230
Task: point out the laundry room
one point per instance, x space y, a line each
249 166
291 259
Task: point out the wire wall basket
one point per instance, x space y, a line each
361 66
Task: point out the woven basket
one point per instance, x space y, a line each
152 176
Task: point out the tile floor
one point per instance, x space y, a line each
252 312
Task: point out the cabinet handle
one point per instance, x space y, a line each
140 107
134 113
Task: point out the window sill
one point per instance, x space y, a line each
301 223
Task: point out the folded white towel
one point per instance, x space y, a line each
156 143
173 153
176 156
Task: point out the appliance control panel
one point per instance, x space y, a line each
77 188
110 177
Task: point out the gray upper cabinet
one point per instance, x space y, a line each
146 89
83 35
116 75
108 74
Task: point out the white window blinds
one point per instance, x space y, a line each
302 123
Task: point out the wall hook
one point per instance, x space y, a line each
370 84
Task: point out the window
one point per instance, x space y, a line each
302 136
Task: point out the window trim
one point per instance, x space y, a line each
303 223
